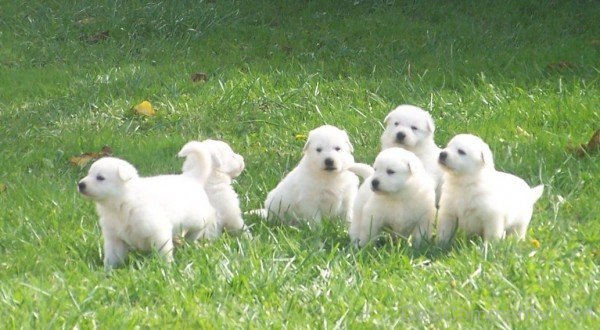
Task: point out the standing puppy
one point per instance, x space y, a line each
398 195
319 186
412 128
478 199
145 213
225 165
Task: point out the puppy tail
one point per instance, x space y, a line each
536 193
198 161
362 170
263 213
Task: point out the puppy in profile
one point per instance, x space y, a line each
398 195
225 165
479 199
412 128
144 213
319 186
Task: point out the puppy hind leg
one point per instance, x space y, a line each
494 231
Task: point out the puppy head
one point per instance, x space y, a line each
407 126
107 178
393 168
328 148
466 154
224 159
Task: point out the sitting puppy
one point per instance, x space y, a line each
399 195
319 186
412 128
477 198
225 165
145 213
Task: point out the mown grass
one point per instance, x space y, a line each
521 74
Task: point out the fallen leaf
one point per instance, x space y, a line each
144 108
562 65
199 77
593 146
95 38
523 132
536 244
2 187
300 137
85 21
85 158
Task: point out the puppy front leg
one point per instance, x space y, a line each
446 228
115 252
164 246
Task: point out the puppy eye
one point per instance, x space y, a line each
414 128
461 152
397 123
390 172
319 149
338 148
100 178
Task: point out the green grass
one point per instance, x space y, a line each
522 75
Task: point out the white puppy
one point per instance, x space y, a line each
319 186
145 213
398 195
478 199
225 165
412 128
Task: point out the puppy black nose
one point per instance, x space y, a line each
443 155
400 136
81 186
375 184
329 162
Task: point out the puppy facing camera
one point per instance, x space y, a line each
477 198
398 195
319 186
412 128
144 213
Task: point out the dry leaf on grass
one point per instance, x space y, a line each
85 21
2 188
592 147
562 65
95 38
83 159
145 108
199 77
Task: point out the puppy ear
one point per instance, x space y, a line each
486 156
126 172
216 160
430 125
307 144
347 140
387 118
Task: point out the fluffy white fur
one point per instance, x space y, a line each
398 195
138 213
319 186
412 128
479 199
225 165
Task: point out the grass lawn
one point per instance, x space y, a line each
523 75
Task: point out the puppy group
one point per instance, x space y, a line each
411 181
